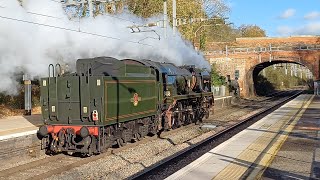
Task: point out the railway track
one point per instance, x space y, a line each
52 165
252 105
183 158
60 163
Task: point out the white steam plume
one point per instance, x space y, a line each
30 48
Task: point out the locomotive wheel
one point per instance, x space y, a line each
179 118
174 123
49 152
206 114
186 119
167 123
191 118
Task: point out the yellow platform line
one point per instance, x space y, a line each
273 151
248 157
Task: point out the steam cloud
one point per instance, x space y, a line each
30 48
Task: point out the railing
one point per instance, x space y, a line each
247 50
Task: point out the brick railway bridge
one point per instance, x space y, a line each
250 55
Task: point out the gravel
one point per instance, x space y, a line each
128 162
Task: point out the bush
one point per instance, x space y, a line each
263 86
217 79
17 101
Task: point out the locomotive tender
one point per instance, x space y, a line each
110 102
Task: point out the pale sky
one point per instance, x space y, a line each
278 17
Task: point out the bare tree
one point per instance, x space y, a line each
215 8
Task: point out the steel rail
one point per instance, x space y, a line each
17 169
68 166
211 138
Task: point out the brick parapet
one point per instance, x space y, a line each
245 62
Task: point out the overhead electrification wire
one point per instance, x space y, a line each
79 31
38 14
120 18
71 30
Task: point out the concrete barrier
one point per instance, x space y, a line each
221 102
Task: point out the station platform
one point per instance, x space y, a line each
16 126
283 145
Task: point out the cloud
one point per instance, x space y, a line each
310 29
287 13
284 30
306 29
312 15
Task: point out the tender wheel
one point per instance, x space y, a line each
139 137
121 142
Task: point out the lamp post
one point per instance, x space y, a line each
205 25
195 33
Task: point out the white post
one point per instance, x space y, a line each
27 94
90 8
286 69
165 18
174 16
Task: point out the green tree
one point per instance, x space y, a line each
145 8
252 31
280 80
217 79
222 33
202 42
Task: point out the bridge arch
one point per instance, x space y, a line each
252 74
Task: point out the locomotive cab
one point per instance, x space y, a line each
206 81
177 79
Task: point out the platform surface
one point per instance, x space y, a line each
15 126
279 146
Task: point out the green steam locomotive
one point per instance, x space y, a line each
109 102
